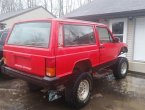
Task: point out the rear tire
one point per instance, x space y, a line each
120 69
78 95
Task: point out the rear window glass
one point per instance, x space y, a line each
34 34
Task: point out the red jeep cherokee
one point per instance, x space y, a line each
63 55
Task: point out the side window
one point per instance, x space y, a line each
104 35
78 35
60 36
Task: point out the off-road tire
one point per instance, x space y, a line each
117 68
71 92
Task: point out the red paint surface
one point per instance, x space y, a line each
34 60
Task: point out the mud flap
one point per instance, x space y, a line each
53 95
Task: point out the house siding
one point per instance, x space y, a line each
39 13
130 39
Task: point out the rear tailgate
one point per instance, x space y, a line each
27 48
29 60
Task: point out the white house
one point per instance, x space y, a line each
126 19
27 14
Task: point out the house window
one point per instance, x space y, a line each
118 30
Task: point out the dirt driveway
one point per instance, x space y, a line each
109 94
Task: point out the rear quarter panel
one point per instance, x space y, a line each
66 58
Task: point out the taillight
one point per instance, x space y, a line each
50 67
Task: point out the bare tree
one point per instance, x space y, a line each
20 5
31 3
71 5
45 4
48 5
61 11
51 5
57 7
8 6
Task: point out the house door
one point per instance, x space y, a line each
139 43
119 28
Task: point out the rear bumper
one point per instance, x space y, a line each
44 82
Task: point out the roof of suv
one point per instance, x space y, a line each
66 20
